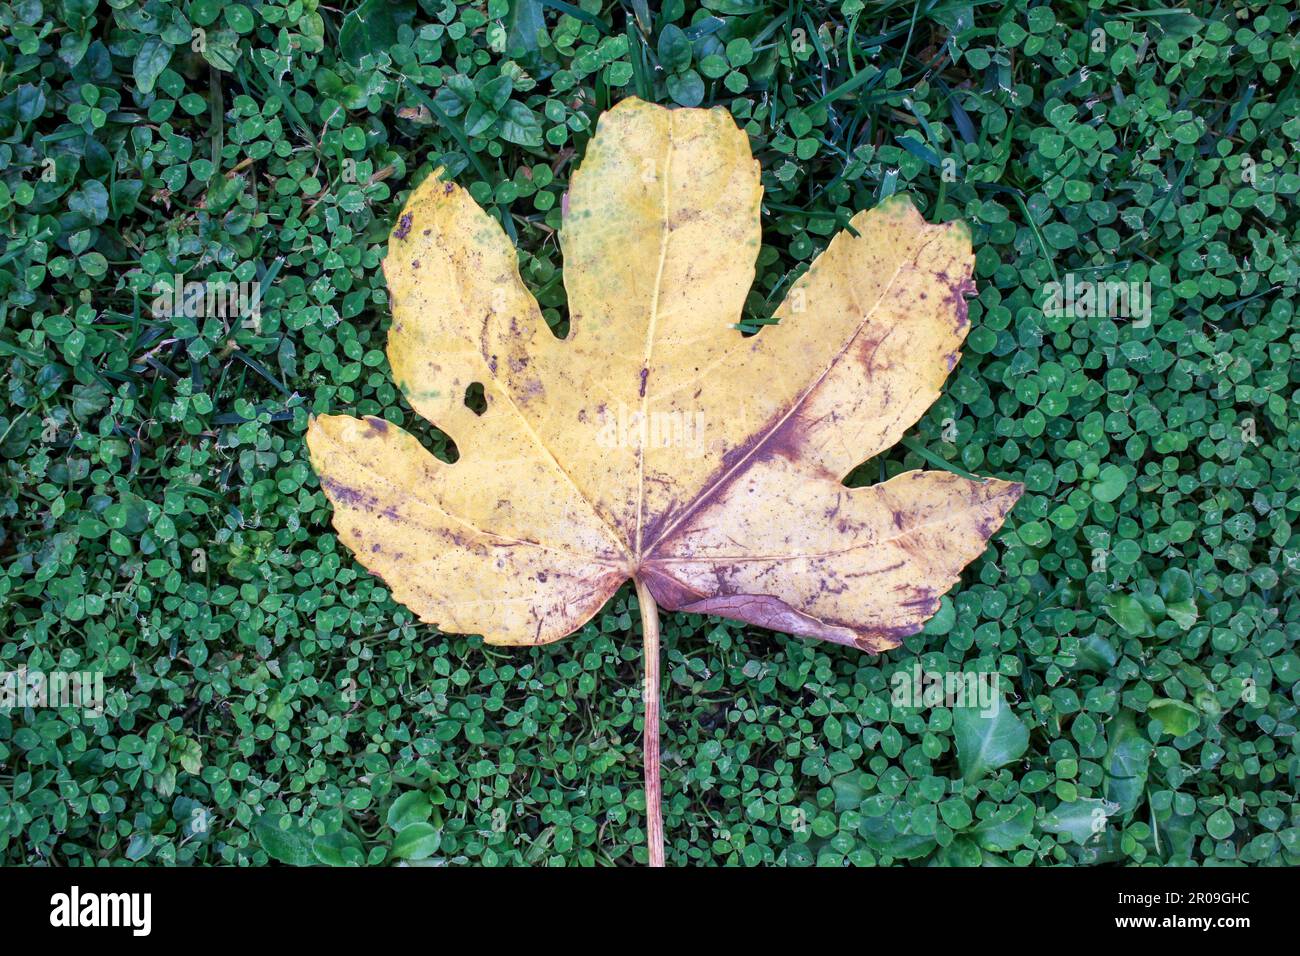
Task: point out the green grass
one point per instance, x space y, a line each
266 698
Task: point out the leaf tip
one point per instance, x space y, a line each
1005 494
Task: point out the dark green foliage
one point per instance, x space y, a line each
266 699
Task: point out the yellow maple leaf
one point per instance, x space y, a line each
655 441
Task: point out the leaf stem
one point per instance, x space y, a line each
650 699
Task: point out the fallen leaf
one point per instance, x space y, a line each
656 442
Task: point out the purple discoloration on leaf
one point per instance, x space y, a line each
689 580
764 610
961 308
779 437
342 494
667 590
403 226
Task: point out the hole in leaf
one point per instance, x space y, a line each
475 401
